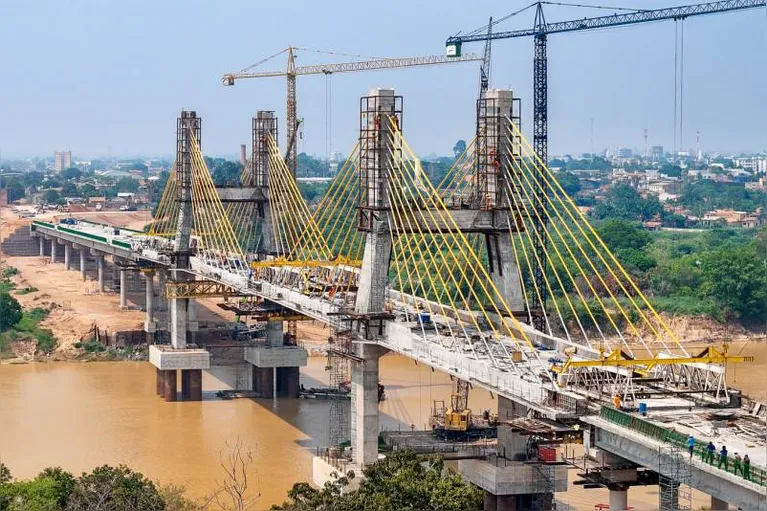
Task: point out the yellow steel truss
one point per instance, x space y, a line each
199 288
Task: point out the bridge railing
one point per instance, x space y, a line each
757 475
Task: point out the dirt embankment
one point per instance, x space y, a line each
74 306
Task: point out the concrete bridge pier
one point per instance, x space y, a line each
190 362
150 325
512 481
53 250
41 240
276 366
123 288
100 271
619 499
82 262
67 256
364 407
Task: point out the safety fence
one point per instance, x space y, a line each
757 475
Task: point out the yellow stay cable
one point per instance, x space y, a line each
567 200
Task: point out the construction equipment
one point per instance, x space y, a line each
540 32
291 72
456 422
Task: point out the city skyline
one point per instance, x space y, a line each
111 79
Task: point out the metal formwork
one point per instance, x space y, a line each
264 125
377 152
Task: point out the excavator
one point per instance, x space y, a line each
456 421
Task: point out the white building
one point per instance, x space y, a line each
62 160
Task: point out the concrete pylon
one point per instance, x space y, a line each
53 250
264 126
188 126
495 154
376 155
42 246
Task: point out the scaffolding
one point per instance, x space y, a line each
674 477
338 365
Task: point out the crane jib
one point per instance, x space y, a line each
615 20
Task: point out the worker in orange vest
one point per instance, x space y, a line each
617 401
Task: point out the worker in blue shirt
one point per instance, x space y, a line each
710 448
691 444
723 457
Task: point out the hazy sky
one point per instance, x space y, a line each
99 76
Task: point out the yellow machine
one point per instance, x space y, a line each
458 416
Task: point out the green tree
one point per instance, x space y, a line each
37 495
671 170
114 488
570 183
72 173
64 483
51 197
622 201
70 190
402 480
126 185
10 311
736 279
621 234
459 148
5 474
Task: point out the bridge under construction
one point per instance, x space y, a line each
492 275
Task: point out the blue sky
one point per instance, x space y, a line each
97 76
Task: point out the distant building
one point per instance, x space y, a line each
754 164
656 152
62 160
625 152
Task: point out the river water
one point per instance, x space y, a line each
80 415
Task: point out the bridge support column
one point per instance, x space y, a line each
619 499
490 502
669 498
718 504
123 289
162 302
179 308
150 326
100 271
82 262
42 246
365 404
275 336
192 325
53 251
166 384
67 256
191 384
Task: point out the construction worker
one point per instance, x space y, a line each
710 449
746 468
691 444
723 458
736 464
617 401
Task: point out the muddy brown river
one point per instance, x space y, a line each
80 415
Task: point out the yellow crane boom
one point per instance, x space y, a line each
292 71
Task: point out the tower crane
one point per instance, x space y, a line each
540 32
292 71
